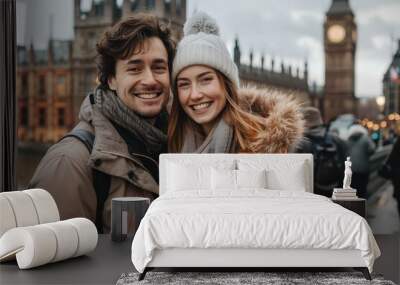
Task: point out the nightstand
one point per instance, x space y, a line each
356 205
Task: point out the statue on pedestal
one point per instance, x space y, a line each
347 174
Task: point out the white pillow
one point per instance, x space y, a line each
293 180
251 178
236 179
223 179
182 177
281 174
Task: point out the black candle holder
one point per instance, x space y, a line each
126 214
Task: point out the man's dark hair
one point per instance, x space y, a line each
122 39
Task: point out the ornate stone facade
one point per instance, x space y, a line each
391 84
43 91
287 80
340 40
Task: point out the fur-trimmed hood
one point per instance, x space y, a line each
284 123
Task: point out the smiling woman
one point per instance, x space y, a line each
201 95
210 114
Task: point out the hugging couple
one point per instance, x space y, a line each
128 120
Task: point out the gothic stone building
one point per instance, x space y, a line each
285 80
43 91
391 84
340 37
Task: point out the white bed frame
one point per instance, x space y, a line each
251 258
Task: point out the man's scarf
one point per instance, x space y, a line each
115 110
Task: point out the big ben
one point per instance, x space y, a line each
340 38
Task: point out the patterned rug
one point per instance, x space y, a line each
242 278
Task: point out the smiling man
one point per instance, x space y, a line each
113 150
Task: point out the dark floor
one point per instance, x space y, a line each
384 220
110 260
388 263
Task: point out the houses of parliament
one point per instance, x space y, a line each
52 83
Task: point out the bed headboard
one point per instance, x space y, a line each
276 161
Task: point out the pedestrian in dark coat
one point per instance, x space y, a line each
392 166
361 147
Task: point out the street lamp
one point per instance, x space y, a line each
380 101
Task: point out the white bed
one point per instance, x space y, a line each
203 220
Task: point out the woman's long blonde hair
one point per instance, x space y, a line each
246 126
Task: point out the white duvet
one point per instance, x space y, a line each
253 218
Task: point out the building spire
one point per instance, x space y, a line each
50 51
306 70
340 7
398 47
251 59
262 62
272 64
236 52
51 25
31 53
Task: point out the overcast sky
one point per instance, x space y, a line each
288 30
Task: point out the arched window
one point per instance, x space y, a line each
42 117
61 117
23 116
178 7
167 6
134 4
98 6
42 85
150 4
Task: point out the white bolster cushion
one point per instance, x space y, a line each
46 207
87 234
7 219
32 246
66 237
26 208
24 211
40 244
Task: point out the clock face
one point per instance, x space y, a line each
336 33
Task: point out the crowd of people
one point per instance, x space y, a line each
330 151
156 97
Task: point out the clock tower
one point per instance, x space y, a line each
340 37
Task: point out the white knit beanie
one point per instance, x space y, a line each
201 44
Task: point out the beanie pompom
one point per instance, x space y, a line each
200 22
